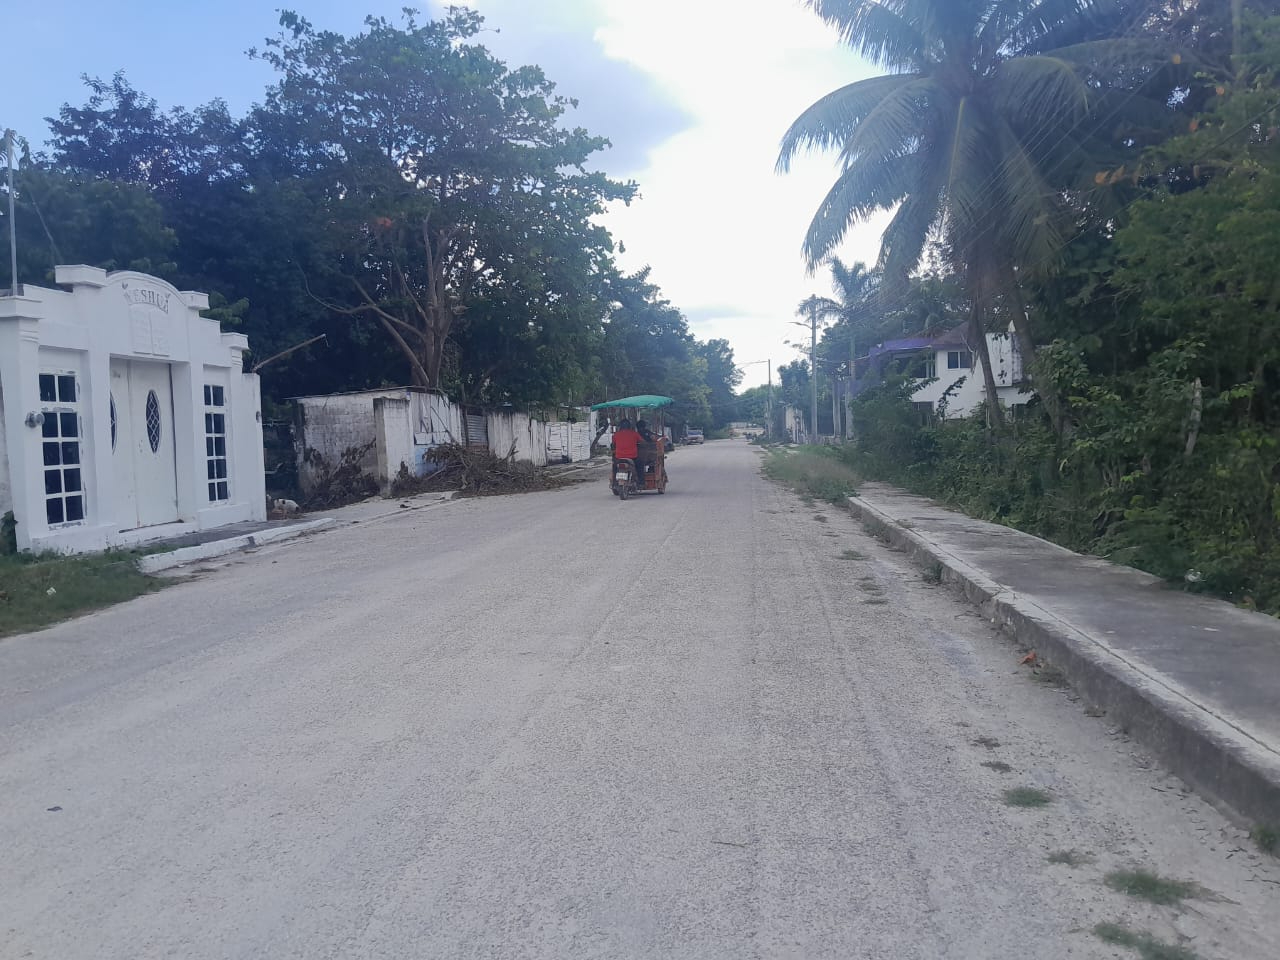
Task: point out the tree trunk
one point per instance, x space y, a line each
1047 392
978 332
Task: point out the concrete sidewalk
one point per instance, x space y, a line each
233 538
1196 680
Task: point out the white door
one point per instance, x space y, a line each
145 463
126 511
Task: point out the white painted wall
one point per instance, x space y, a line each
571 441
6 491
136 318
330 425
1006 368
394 439
510 431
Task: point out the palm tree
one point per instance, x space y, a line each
856 299
964 135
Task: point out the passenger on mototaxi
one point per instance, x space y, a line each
626 446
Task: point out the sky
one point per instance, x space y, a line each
693 94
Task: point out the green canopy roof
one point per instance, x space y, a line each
642 402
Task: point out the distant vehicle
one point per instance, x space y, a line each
693 436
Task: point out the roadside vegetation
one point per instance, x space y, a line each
1027 797
1145 885
816 473
1099 180
398 207
1147 946
39 590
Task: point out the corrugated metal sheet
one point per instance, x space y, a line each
477 429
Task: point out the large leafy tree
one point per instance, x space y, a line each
648 348
971 136
722 377
448 176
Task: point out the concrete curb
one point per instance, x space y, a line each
1218 759
157 562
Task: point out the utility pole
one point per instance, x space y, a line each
835 405
9 137
853 375
813 370
768 403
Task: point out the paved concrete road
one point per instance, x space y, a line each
562 726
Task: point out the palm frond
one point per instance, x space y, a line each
1052 24
1027 210
1034 92
903 240
968 162
895 122
883 31
831 120
861 190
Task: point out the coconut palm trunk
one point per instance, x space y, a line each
956 138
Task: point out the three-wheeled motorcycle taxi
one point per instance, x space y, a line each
646 472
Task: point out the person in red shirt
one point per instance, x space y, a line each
626 442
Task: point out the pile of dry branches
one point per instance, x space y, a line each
336 486
476 473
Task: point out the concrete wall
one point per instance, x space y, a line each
6 491
510 431
570 442
328 426
394 439
405 425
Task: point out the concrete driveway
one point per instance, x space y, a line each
705 725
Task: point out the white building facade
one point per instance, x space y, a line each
125 416
955 386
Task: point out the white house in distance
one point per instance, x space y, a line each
949 368
953 359
125 416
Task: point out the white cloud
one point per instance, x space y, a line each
721 230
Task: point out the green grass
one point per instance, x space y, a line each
1070 858
1148 947
1145 885
933 573
814 473
1266 838
1027 797
78 584
852 555
999 766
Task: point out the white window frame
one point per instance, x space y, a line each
54 411
216 484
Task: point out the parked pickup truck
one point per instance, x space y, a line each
693 436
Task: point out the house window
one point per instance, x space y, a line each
215 442
959 360
60 443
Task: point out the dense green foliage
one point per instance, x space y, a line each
427 211
1155 438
